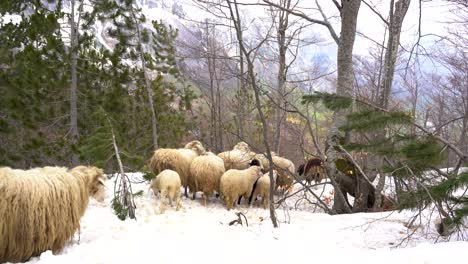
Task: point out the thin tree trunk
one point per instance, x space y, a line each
217 111
211 69
127 199
149 91
220 122
396 22
242 94
73 93
397 14
283 22
250 69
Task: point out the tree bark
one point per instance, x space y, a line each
283 23
211 69
242 93
74 133
397 14
250 69
345 87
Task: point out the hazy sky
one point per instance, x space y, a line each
434 14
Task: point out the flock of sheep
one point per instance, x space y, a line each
41 208
233 174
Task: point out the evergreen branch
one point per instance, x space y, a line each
331 101
463 156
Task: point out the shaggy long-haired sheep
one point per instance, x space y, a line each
312 170
238 158
262 189
41 208
168 183
236 183
177 160
206 171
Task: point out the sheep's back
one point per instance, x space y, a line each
206 172
167 178
177 160
41 207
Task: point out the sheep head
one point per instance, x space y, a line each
196 146
242 146
95 178
275 175
257 171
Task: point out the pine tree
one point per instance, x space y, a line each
34 56
35 81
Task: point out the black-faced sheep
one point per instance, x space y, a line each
41 208
206 172
238 158
177 160
168 183
236 183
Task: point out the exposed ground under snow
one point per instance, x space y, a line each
198 234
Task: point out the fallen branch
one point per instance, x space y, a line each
239 219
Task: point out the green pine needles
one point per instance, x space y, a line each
411 158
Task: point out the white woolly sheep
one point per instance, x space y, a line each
284 167
177 160
206 171
41 208
236 183
262 188
286 170
168 183
263 161
238 158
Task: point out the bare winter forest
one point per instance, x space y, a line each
325 106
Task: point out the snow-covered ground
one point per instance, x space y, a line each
198 234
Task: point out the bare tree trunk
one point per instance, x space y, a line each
250 69
149 91
211 69
73 88
397 14
217 112
283 23
242 94
345 87
396 22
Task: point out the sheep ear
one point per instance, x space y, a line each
101 181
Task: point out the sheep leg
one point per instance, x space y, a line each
178 202
185 192
171 196
163 201
204 199
265 201
234 202
228 202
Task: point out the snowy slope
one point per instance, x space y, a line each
197 234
